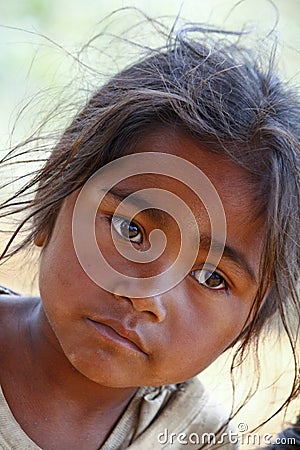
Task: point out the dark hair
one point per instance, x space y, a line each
228 99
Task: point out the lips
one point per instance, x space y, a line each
118 335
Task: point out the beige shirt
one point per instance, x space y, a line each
174 417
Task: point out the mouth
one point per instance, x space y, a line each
118 336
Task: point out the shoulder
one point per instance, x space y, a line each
199 406
13 309
191 418
11 301
288 439
15 312
6 291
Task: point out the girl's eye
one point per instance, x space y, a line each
127 230
211 280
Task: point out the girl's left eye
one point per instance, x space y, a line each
211 280
127 230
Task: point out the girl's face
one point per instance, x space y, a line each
122 341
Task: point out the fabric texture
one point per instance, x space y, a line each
169 417
288 439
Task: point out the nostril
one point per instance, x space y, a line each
152 306
154 317
122 298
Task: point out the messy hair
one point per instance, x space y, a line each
226 98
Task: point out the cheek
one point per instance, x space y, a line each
61 278
202 331
58 259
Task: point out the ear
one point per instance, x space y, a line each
40 239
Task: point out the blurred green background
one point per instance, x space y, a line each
36 35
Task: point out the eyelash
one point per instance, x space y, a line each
117 221
207 276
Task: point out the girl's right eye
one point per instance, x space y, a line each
127 230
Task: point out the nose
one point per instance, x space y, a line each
154 306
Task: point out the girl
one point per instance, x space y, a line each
193 150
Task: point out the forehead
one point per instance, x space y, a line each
235 187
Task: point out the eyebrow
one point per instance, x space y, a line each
142 205
228 252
